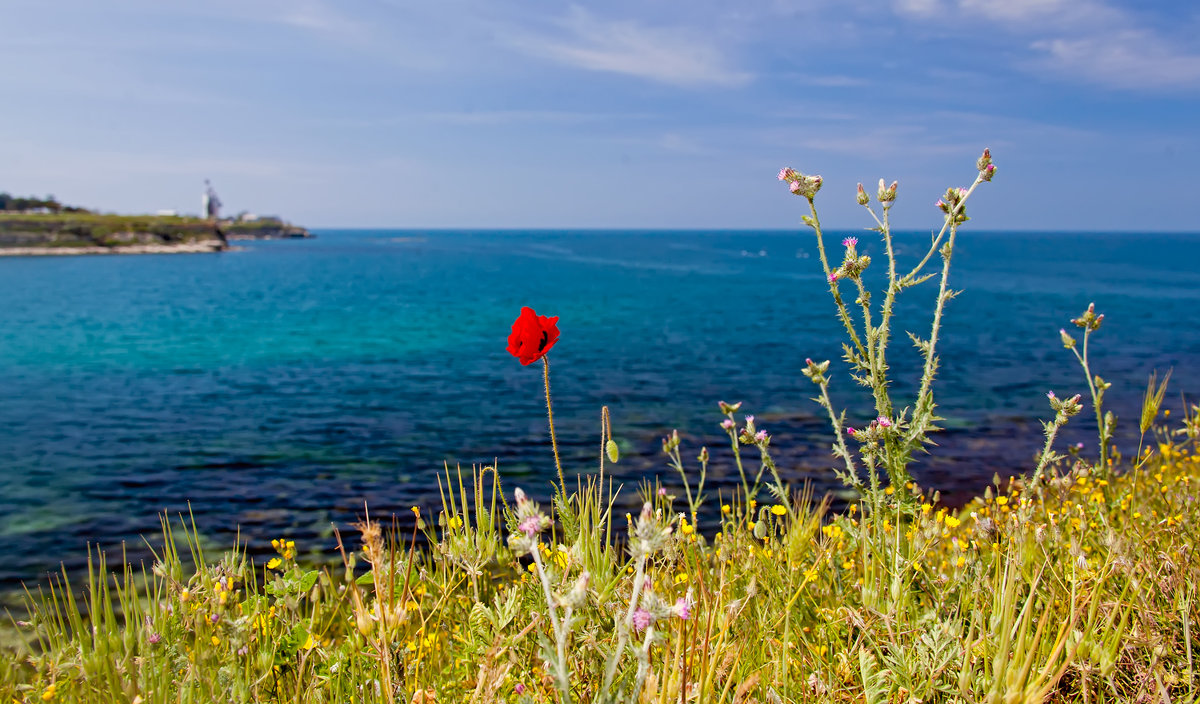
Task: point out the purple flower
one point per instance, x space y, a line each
530 526
795 187
662 491
642 619
884 422
851 431
728 424
760 436
786 174
1050 395
749 420
833 277
154 638
683 608
849 241
519 689
214 618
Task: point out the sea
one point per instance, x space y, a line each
283 389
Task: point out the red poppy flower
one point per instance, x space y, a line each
532 336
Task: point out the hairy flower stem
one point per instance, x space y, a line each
839 431
923 414
1046 456
561 679
562 483
1097 401
843 313
737 458
610 672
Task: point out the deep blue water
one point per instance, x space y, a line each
280 387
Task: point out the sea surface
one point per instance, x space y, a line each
278 389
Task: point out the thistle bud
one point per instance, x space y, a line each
984 161
988 172
703 455
887 194
729 407
863 199
1067 340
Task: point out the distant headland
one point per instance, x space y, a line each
44 226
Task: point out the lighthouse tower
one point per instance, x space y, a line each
210 204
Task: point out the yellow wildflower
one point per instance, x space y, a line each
778 510
274 563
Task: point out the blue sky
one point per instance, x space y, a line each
627 113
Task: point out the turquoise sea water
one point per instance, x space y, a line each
280 387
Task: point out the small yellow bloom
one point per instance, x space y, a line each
926 508
215 640
48 694
274 563
681 578
310 643
952 522
185 595
725 508
778 510
1001 500
890 490
455 523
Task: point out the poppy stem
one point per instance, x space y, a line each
562 483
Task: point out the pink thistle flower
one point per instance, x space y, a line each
749 420
728 424
849 241
851 431
884 422
154 638
662 491
683 608
642 619
833 277
760 436
795 187
519 689
1050 395
530 526
786 174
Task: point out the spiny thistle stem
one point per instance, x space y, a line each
843 313
562 483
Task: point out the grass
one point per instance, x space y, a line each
1086 593
92 229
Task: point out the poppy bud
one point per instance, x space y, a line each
610 449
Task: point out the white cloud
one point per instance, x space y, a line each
1135 59
666 55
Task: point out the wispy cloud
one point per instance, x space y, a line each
662 54
1132 59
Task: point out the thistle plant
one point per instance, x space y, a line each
888 445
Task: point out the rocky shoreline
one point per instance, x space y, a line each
196 247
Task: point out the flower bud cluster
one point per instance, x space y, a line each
530 522
753 436
875 431
650 533
1067 340
671 442
853 265
1065 407
800 184
986 168
1089 320
728 408
887 194
815 371
952 202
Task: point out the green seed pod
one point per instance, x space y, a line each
610 449
760 529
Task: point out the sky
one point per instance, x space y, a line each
624 113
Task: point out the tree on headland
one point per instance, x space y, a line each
18 204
